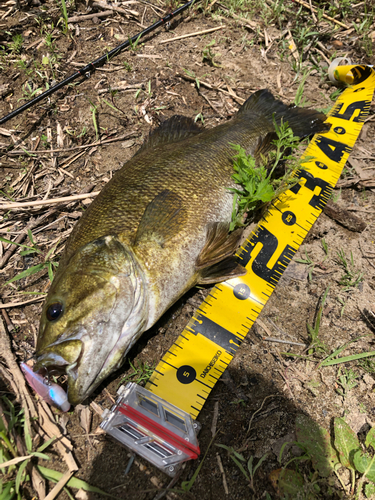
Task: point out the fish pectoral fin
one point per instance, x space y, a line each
222 271
219 244
163 218
172 130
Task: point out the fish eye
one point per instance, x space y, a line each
54 311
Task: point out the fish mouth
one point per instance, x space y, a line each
60 358
85 363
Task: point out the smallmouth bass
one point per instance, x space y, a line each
159 227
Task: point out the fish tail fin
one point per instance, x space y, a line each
302 121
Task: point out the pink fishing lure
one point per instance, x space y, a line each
50 392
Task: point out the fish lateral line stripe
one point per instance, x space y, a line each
305 200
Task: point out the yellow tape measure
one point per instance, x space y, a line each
189 370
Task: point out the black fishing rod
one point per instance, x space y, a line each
95 64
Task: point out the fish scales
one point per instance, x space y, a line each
160 226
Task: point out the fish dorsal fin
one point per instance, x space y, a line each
163 218
222 271
302 121
219 245
174 129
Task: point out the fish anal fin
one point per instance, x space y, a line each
222 271
219 244
162 220
176 128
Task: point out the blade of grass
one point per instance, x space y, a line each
339 350
9 242
27 272
53 475
346 359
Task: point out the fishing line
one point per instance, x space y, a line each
86 71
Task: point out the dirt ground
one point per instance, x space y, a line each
209 82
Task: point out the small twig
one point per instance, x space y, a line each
284 377
313 9
149 56
52 201
271 339
125 12
9 305
7 320
313 13
222 472
77 19
127 88
60 485
65 150
265 327
214 418
259 409
72 161
130 463
322 54
212 87
210 103
192 34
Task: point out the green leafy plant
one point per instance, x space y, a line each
256 187
15 46
255 177
352 276
192 75
247 467
34 249
356 457
28 92
134 45
94 113
200 117
64 12
309 262
208 55
13 464
343 305
146 91
315 442
140 375
299 100
333 358
317 346
346 380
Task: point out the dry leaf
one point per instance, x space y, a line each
85 419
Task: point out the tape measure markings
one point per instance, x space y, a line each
191 367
